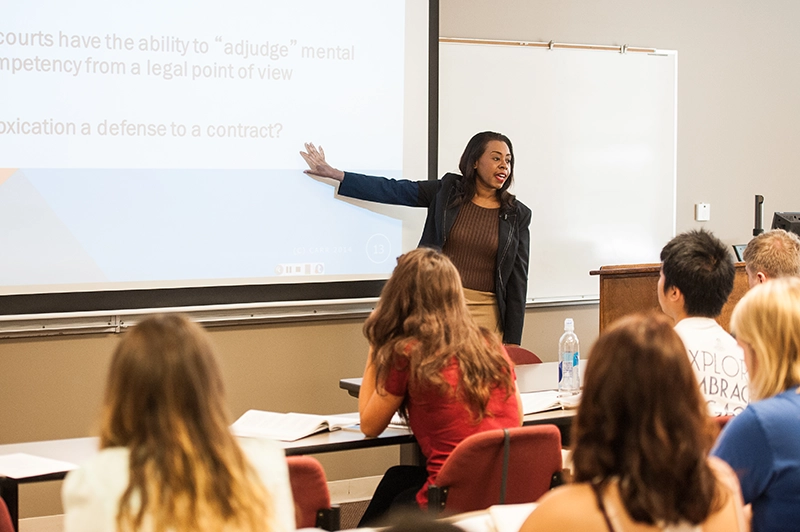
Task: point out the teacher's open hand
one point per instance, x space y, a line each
315 159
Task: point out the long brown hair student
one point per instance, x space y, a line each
641 441
164 410
422 317
429 359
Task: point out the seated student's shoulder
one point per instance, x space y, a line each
269 461
90 494
267 458
566 509
105 473
732 516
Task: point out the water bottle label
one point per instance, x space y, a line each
568 378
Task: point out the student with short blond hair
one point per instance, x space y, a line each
772 255
761 443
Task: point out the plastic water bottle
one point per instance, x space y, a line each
569 376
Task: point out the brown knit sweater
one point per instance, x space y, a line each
472 246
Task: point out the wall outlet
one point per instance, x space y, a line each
702 212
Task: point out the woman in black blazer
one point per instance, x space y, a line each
472 218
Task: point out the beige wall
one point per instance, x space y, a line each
738 110
738 74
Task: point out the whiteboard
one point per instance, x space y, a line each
594 138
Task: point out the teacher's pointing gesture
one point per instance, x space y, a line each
472 218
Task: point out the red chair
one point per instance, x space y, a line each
502 466
5 518
312 501
520 355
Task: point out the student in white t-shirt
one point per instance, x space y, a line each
696 279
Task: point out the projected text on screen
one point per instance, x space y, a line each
155 143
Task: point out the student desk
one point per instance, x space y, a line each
79 450
530 378
560 418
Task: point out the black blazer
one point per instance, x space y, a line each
511 274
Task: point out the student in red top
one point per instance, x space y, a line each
429 359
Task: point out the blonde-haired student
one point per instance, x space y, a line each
762 444
167 460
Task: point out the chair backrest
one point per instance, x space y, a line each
5 518
471 477
312 500
520 355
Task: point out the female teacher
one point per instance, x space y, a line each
472 218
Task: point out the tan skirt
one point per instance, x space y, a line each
483 307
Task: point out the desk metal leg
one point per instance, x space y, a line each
9 491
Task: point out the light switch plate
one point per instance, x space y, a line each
702 212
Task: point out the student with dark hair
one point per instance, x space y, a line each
167 460
762 444
772 255
472 218
429 359
696 279
641 441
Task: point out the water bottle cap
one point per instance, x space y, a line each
569 325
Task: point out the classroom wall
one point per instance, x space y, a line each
738 73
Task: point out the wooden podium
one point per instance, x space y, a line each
631 288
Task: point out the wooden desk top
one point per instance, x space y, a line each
79 450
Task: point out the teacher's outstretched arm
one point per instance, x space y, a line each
317 165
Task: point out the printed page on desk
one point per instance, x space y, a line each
533 402
286 427
23 465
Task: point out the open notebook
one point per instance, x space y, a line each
533 402
287 427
